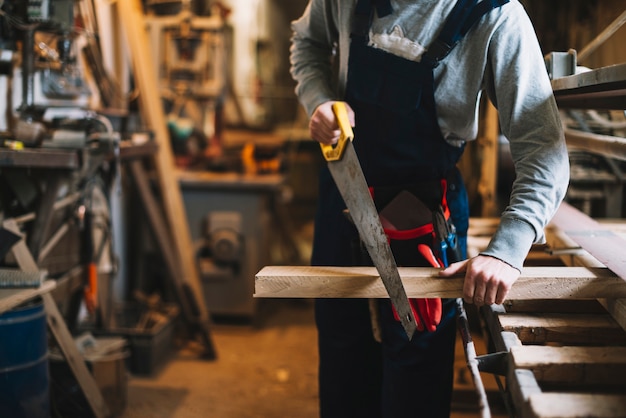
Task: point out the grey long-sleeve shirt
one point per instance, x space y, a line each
500 56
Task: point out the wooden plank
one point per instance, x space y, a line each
606 145
573 365
617 309
601 88
493 330
499 340
589 306
568 251
602 37
618 226
419 282
577 405
599 241
488 181
570 329
10 298
74 358
522 385
558 239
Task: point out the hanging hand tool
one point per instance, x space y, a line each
446 239
345 168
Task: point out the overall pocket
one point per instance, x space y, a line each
385 80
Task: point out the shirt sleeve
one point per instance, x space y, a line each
312 52
518 84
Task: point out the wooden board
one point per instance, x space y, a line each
617 309
557 238
544 306
601 242
575 365
10 298
488 183
589 374
420 282
574 329
576 405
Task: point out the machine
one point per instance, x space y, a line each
50 59
230 220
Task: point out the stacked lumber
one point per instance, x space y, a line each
566 357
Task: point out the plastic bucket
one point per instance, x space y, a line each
24 373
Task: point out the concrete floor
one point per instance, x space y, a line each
266 370
263 370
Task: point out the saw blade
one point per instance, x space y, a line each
351 183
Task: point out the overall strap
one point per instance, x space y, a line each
463 16
364 13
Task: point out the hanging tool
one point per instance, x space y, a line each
90 289
345 168
445 237
472 360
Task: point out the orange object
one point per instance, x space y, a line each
427 311
91 289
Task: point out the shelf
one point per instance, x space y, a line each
602 88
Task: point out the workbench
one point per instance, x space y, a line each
46 172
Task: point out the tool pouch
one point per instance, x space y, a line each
417 214
416 220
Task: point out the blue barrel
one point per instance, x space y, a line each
24 373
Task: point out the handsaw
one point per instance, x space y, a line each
345 168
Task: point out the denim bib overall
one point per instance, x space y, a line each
398 142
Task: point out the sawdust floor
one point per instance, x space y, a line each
267 369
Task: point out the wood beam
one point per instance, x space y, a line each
573 405
488 182
423 282
606 145
599 241
572 365
572 329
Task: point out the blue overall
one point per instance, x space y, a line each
398 142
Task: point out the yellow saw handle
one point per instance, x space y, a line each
334 152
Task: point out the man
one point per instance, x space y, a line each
412 74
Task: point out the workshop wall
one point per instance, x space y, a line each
566 24
262 85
